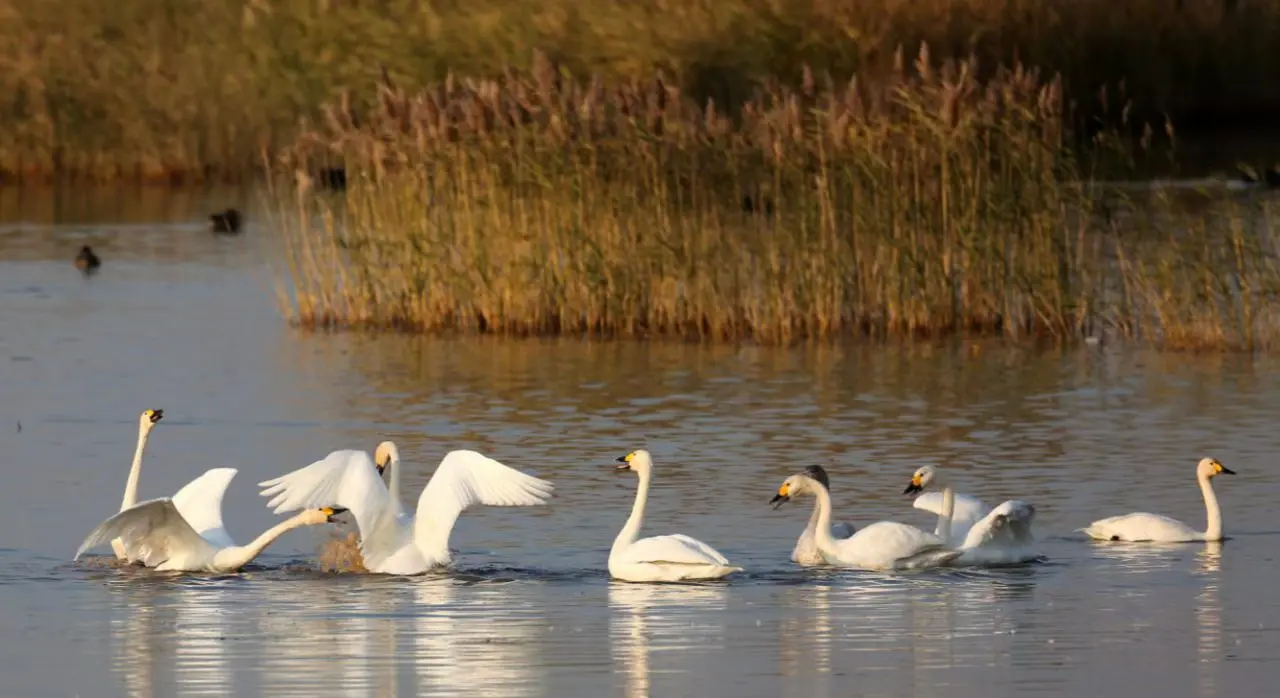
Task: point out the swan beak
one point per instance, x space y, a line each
624 462
380 468
916 485
782 497
1223 469
156 415
329 513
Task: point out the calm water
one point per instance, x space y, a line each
184 321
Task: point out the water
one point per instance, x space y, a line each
184 321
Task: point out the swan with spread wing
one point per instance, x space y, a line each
393 541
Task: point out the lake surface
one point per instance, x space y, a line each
180 320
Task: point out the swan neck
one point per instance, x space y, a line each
948 512
237 556
631 530
822 534
135 472
810 529
1213 526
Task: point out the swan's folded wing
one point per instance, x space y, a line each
676 549
346 479
152 531
465 478
1008 524
200 503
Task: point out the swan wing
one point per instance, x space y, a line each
967 511
1141 526
465 478
153 532
200 503
893 545
345 478
676 549
1008 524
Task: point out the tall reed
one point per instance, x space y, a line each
926 203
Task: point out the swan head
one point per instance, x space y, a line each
922 478
384 455
817 472
147 421
795 485
1210 467
636 461
312 517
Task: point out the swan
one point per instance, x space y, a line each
1143 527
162 538
806 550
966 509
884 545
1000 536
393 541
671 558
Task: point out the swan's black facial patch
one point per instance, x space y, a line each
818 473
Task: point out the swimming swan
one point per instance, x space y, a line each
671 558
806 551
1143 527
160 537
1000 536
884 545
391 540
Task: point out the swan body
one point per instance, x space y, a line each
1155 528
393 541
997 536
672 558
884 545
806 552
159 536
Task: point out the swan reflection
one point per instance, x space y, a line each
200 663
659 617
472 640
1209 644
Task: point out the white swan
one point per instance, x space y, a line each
671 558
999 536
806 551
158 535
1143 527
146 422
884 545
391 540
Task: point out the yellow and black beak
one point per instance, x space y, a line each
782 497
624 462
331 512
1222 469
916 485
156 415
380 467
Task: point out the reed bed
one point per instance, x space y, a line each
929 203
139 90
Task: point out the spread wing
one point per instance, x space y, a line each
200 503
465 478
153 531
346 479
